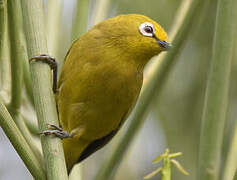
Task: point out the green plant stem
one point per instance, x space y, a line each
17 117
155 80
26 69
32 126
231 161
27 79
235 177
5 78
166 170
20 144
17 54
42 89
216 98
81 19
2 26
53 22
3 64
100 11
230 167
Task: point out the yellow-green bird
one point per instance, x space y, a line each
101 80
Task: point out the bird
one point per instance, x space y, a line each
100 81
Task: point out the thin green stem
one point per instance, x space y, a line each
26 69
17 117
166 170
20 144
31 125
27 79
216 98
16 52
231 161
2 47
53 22
230 167
155 80
5 79
2 25
100 11
42 89
81 19
235 177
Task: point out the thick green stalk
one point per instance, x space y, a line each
17 55
157 75
42 89
216 99
20 144
81 19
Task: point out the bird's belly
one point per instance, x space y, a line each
106 112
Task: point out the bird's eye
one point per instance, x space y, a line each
147 29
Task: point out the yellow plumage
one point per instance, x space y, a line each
101 80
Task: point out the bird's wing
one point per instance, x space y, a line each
99 143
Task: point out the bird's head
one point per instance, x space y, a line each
137 35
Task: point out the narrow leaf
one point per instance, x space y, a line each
180 167
153 173
175 154
158 158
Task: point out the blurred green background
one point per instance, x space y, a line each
175 115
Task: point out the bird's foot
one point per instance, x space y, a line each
57 131
53 65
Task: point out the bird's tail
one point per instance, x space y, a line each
73 147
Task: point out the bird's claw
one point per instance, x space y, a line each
54 127
52 64
51 61
57 131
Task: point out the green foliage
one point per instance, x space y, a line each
166 168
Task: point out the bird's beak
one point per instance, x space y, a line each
164 44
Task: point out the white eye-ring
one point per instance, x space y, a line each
147 29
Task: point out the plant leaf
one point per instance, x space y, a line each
158 158
180 167
153 173
175 154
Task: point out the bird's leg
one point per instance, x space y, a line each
53 65
57 131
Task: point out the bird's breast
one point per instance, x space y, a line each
110 98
